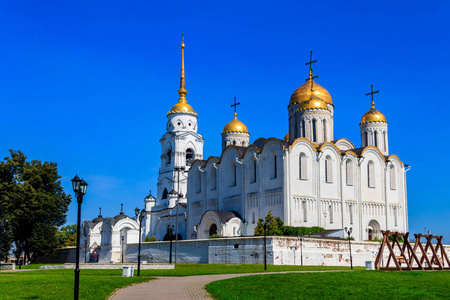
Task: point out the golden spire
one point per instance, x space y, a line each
182 91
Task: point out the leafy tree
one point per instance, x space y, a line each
274 225
67 236
150 239
32 197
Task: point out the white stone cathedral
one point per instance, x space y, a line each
307 179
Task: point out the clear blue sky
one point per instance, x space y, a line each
87 84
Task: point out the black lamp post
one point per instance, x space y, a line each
141 216
170 234
4 227
123 238
85 251
265 244
79 187
348 231
301 249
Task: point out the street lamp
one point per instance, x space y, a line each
301 249
180 195
141 216
170 234
348 231
79 187
123 237
265 244
85 251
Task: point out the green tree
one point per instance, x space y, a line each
274 225
67 236
150 239
32 197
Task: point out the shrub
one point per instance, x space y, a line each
216 236
150 239
297 231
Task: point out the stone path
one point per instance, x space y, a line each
188 287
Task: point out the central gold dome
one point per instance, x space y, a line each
303 93
373 115
182 108
235 126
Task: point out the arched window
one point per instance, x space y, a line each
375 138
314 130
330 209
366 138
189 156
324 130
168 157
303 128
393 177
199 181
302 168
253 218
328 170
253 172
234 143
213 178
371 174
164 195
233 175
349 172
273 174
384 141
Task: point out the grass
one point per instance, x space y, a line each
336 285
59 284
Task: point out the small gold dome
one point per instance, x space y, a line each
286 137
303 93
235 126
313 103
182 108
372 116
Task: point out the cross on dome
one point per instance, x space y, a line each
235 105
311 77
371 93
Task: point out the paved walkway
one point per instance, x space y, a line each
174 288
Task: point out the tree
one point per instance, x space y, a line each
32 197
274 225
150 239
67 236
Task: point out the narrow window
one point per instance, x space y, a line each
274 170
314 130
213 178
253 218
328 170
305 211
370 174
189 156
375 138
253 179
350 207
349 172
330 208
303 128
366 138
324 130
164 195
384 141
168 157
234 173
302 166
395 215
199 182
393 178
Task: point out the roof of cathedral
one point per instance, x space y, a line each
373 115
303 93
235 126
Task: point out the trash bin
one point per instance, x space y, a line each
127 271
369 265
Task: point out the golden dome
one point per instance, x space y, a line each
182 108
286 137
303 93
373 115
235 126
313 103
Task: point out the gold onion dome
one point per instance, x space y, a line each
313 102
235 126
182 106
373 116
286 137
303 93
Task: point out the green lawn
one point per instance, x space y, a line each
339 285
58 284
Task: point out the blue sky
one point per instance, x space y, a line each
87 84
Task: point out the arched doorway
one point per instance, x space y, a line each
213 229
373 230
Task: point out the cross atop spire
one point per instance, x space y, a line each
100 213
311 77
182 91
371 93
235 106
121 208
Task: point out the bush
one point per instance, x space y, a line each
297 231
216 236
150 239
275 226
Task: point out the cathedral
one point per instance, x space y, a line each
308 178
